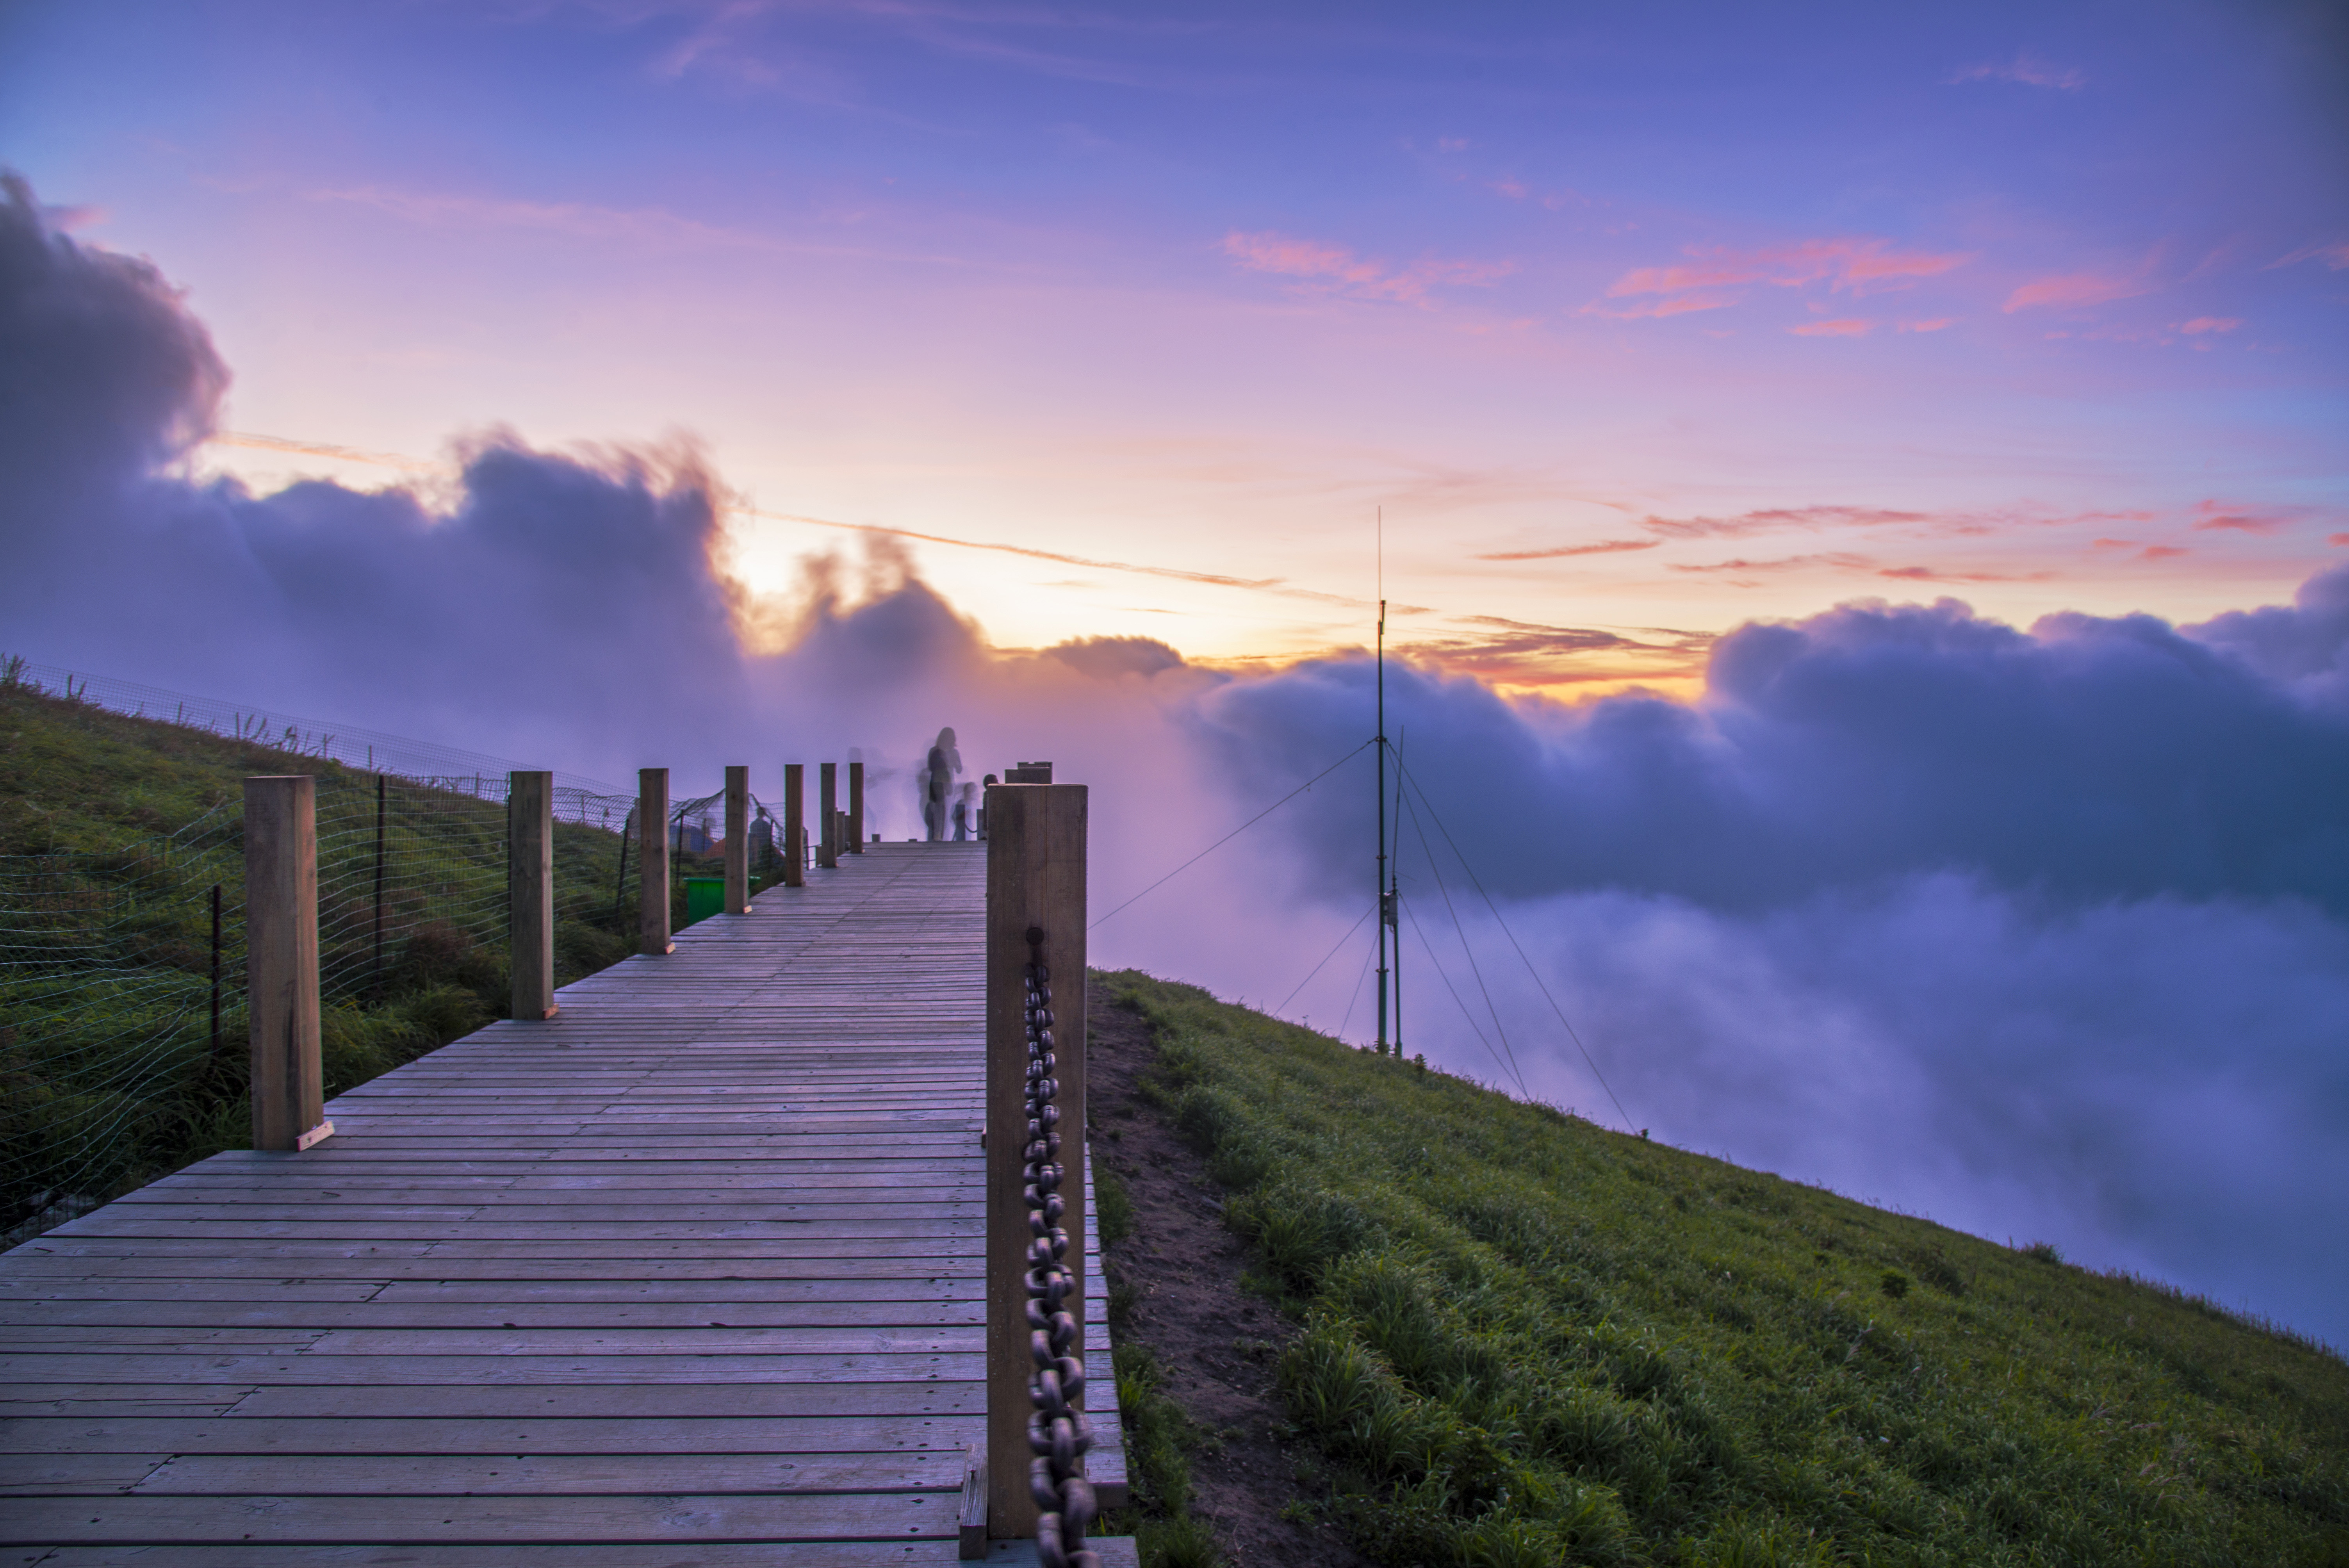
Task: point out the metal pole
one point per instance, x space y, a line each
1386 897
216 972
378 881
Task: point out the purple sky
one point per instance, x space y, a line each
1760 307
689 385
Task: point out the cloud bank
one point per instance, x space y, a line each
2042 932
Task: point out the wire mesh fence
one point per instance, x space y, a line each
123 1048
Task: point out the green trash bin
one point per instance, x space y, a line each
704 896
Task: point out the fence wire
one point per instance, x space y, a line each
123 1048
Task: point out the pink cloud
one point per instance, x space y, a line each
2115 544
2071 290
2027 71
2235 517
2335 257
1854 264
2202 323
2162 552
1934 323
2336 539
1513 189
1843 327
1336 269
1677 304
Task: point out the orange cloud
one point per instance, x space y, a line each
2072 290
1934 575
1843 327
1336 269
1605 547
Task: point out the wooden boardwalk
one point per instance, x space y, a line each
690 1275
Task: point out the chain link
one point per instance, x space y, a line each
1057 1432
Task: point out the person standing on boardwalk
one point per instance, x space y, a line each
965 804
938 784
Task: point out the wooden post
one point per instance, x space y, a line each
827 844
652 862
738 840
530 892
794 830
1035 878
856 808
281 923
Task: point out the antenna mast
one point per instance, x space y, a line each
1386 897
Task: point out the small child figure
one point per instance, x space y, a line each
963 807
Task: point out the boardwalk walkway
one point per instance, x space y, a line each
690 1274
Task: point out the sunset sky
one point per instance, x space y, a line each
1639 321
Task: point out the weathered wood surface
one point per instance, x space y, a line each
689 1273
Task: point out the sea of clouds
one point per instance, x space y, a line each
2043 932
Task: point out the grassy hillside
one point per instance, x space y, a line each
113 831
1530 1341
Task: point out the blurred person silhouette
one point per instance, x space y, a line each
966 805
938 784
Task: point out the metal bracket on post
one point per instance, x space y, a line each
1035 884
281 912
530 892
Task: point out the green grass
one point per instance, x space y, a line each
108 1077
1531 1341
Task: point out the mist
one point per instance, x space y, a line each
2042 932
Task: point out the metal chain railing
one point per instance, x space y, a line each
1057 1432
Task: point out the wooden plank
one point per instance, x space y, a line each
694 1265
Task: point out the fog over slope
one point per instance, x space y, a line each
2045 932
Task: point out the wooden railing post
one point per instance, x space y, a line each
530 892
1035 880
652 857
827 851
738 840
856 808
281 923
794 826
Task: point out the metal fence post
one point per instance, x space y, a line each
652 862
281 923
1035 905
530 892
827 852
794 828
738 840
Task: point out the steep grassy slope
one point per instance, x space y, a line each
107 1072
1532 1341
